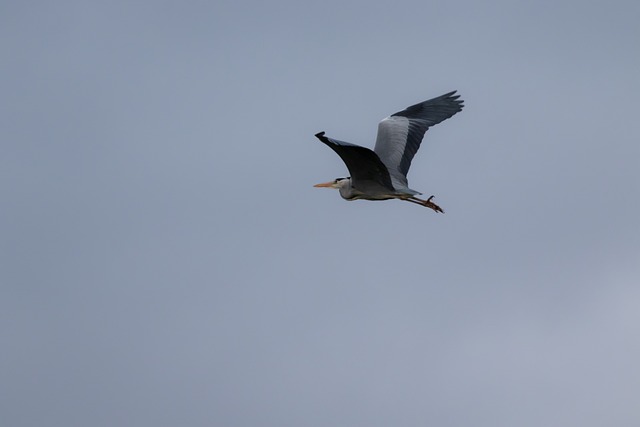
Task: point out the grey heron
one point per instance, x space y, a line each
381 173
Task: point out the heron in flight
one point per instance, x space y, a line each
381 174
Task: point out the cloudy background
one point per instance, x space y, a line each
165 261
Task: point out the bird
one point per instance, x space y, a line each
381 173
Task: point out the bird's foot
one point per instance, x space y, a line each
426 203
429 204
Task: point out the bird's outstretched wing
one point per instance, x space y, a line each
363 164
400 135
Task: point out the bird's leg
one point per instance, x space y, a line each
426 203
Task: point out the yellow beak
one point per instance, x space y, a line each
325 184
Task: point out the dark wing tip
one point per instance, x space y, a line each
449 102
321 137
451 97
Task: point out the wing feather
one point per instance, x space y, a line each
363 164
400 135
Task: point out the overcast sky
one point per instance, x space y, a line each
165 260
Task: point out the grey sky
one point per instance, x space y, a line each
165 260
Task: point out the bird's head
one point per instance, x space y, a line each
336 183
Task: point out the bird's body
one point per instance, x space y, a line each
381 174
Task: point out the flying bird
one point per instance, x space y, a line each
381 174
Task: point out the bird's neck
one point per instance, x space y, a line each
346 189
